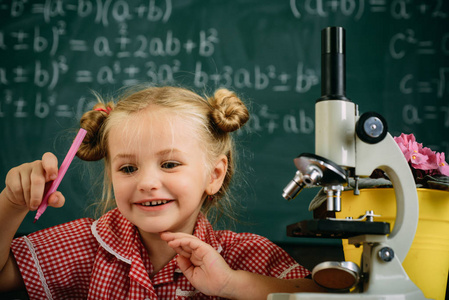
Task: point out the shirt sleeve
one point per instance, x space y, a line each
57 262
257 254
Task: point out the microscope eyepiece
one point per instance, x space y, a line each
333 64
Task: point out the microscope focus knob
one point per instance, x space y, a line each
386 254
371 128
336 276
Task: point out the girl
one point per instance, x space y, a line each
168 159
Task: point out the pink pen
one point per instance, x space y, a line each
62 170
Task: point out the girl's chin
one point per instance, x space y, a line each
146 228
150 231
153 225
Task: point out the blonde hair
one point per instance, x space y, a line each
213 119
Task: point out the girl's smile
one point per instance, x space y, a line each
154 205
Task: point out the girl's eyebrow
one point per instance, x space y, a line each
168 151
123 156
159 153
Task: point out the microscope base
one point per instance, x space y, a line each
316 296
382 280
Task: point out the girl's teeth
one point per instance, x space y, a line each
154 203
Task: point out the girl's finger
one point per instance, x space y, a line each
169 236
183 252
50 166
185 265
37 186
14 186
56 199
186 244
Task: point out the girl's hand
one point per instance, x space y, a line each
26 183
203 266
207 271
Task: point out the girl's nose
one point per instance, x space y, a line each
149 181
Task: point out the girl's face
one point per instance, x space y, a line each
159 172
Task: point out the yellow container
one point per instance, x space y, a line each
427 262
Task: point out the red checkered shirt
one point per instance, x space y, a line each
105 259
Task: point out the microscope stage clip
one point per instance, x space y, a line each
367 217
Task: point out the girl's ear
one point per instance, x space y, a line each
217 175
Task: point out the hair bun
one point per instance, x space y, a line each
91 148
229 113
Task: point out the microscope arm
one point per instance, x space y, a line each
387 156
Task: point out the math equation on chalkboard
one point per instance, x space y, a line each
54 52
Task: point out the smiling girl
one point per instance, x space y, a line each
168 156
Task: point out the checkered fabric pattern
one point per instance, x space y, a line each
105 259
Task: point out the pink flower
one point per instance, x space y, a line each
405 138
423 160
413 153
403 141
443 167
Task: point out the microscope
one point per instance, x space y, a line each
349 145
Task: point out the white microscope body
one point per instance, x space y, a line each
349 145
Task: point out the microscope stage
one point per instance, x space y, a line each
337 229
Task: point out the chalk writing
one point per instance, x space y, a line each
411 114
104 12
266 120
41 107
112 54
396 9
259 78
438 86
263 120
404 42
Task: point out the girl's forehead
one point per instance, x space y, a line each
157 128
146 119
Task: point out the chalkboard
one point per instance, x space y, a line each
54 52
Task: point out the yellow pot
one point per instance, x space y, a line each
427 262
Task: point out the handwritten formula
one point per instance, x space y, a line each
51 46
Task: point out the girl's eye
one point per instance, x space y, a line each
170 164
128 169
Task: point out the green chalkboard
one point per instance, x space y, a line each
54 52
